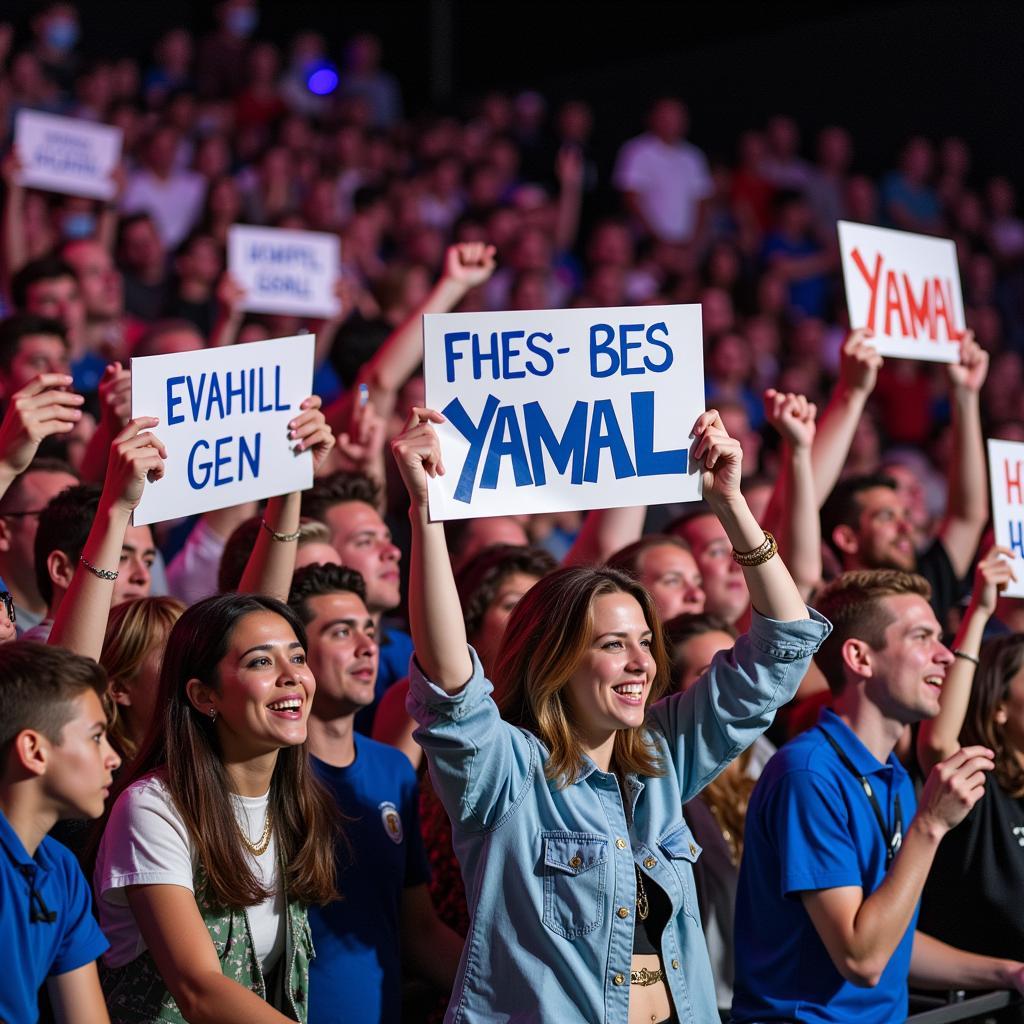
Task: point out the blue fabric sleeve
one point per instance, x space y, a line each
417 867
480 765
718 717
82 941
807 812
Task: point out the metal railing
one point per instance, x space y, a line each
964 1009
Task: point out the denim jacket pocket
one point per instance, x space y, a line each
574 868
682 851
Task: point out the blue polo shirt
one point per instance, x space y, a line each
35 950
357 972
811 826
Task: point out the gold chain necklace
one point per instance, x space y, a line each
643 908
259 848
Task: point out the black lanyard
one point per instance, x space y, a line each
893 837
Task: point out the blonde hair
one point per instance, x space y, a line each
547 636
133 630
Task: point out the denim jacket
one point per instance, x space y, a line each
549 871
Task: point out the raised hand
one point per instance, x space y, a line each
230 294
969 374
792 416
417 451
469 263
42 408
953 787
363 442
115 390
569 167
859 362
136 456
994 572
719 456
309 429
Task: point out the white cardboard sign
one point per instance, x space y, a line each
292 272
65 154
224 415
905 288
555 410
1006 478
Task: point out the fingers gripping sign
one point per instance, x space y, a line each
719 456
417 451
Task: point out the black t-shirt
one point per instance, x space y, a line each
934 565
972 899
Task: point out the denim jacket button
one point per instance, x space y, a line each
575 862
623 912
619 979
620 843
675 965
650 863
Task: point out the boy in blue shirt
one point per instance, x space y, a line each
835 856
56 764
385 911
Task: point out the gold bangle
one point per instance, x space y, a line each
759 555
283 537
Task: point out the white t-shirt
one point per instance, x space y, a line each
146 843
670 181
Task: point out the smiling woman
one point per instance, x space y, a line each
220 837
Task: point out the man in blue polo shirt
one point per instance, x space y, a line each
836 852
55 763
385 914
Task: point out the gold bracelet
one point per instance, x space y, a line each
759 555
283 537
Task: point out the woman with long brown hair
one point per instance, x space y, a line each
220 837
566 808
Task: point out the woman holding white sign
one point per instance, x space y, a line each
566 813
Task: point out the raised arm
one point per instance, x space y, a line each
41 409
229 312
15 250
772 590
435 615
570 170
466 266
939 737
605 531
967 505
272 562
859 364
115 394
793 510
135 456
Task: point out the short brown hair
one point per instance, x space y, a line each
37 686
628 559
547 635
341 486
852 602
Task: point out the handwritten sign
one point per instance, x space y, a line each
285 271
224 417
64 154
554 410
905 288
1006 478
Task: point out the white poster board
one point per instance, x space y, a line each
65 154
906 289
224 416
291 272
1006 478
555 410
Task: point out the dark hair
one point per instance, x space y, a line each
546 636
341 486
40 464
317 580
46 268
183 742
129 220
1001 660
852 602
480 579
628 559
25 325
64 526
690 624
843 507
37 685
148 345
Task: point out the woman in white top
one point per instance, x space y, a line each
220 837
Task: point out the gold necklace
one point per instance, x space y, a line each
259 848
643 908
